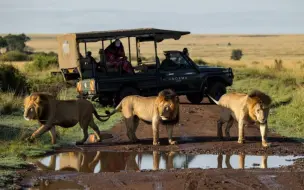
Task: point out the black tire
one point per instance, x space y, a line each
106 100
216 90
195 98
124 92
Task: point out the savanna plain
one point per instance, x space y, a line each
273 64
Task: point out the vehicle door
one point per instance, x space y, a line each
183 77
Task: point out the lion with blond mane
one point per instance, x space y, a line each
65 113
161 109
245 109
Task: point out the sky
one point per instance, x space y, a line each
196 16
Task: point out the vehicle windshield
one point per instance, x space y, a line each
176 60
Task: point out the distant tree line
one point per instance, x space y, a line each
14 42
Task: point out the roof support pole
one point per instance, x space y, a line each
130 60
156 58
104 56
85 48
138 51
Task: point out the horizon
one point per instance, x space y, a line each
268 17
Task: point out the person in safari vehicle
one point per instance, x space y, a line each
115 56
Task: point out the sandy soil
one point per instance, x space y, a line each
196 134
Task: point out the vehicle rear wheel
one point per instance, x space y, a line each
195 98
106 100
216 91
126 91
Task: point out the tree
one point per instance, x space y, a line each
16 42
3 42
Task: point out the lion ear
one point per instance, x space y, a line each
37 99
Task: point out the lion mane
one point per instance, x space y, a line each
49 112
155 110
245 109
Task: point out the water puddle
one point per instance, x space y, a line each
96 162
55 184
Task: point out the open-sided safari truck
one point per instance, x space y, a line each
110 85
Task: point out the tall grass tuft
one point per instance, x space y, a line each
14 56
9 103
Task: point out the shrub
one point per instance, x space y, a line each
14 56
200 62
12 79
42 61
278 65
236 54
255 62
51 84
10 103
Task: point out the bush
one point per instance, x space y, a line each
14 56
236 54
12 79
10 103
42 61
52 85
200 62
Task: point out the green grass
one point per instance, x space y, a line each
8 179
14 129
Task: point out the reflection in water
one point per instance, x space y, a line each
56 184
95 162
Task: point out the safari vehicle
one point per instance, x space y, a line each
110 85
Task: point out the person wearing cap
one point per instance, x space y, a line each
115 56
91 59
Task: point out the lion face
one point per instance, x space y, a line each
259 105
34 105
261 112
168 105
31 107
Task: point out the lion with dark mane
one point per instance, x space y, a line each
245 109
161 109
65 113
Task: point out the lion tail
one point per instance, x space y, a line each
99 117
115 110
215 101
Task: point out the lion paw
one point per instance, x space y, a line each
156 143
29 139
135 140
172 142
79 143
265 144
241 141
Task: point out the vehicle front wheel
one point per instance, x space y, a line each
216 91
195 98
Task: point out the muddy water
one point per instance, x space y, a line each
95 162
55 184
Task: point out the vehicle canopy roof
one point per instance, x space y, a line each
142 34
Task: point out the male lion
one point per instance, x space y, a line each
245 109
163 108
65 113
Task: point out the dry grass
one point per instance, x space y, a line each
289 48
259 51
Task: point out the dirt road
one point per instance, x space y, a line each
196 135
